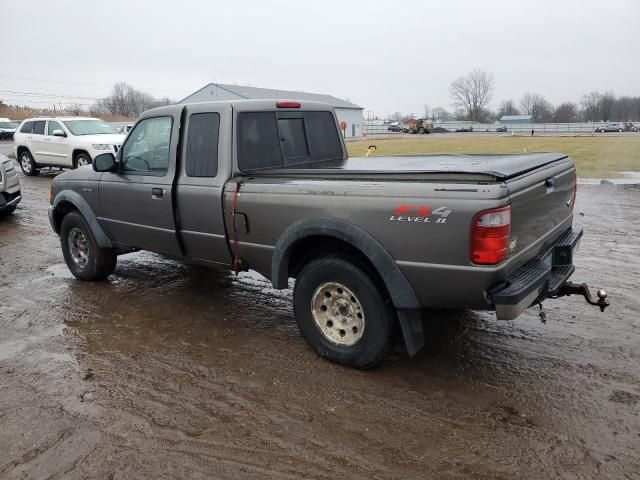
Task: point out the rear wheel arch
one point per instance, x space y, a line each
328 234
355 241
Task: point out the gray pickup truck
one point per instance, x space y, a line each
267 185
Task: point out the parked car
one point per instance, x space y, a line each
125 129
369 241
630 127
7 129
502 128
10 193
69 142
611 127
466 128
395 127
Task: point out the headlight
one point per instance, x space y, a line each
101 146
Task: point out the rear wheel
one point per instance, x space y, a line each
620 130
85 259
27 164
421 130
343 312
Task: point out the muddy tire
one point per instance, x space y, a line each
85 259
343 312
27 163
81 160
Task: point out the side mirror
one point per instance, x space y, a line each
59 133
105 162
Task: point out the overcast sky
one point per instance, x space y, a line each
385 56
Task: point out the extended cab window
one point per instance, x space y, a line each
27 127
38 127
147 147
202 145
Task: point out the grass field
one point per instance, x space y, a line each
596 157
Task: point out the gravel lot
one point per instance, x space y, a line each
168 371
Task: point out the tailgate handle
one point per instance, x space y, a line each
550 183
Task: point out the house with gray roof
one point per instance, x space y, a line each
347 112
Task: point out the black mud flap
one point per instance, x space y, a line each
412 330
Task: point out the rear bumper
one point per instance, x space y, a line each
538 279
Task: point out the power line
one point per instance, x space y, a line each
104 85
48 95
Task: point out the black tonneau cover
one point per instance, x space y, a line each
500 166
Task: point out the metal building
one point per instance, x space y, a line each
346 112
516 119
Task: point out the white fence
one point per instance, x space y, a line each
567 128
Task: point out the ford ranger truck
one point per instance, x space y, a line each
371 242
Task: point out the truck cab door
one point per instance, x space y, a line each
204 168
136 202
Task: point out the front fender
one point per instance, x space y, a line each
83 207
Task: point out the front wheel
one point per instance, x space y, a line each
85 259
343 312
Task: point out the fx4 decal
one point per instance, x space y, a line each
420 214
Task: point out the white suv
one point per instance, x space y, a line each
62 142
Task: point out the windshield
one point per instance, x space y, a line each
89 127
9 124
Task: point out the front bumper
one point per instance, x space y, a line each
540 278
10 200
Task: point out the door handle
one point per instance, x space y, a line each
157 192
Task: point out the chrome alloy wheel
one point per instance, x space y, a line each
338 314
82 161
78 247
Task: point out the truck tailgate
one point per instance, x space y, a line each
542 205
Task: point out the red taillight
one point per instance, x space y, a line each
490 232
288 104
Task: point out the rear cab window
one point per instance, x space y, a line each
272 139
202 145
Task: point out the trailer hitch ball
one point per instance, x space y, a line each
570 288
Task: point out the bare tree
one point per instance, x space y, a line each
126 101
427 111
508 107
537 106
472 93
607 100
591 105
566 112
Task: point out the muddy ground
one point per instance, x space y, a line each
168 371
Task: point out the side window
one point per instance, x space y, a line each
38 127
202 145
53 125
324 143
258 145
27 127
292 141
147 146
